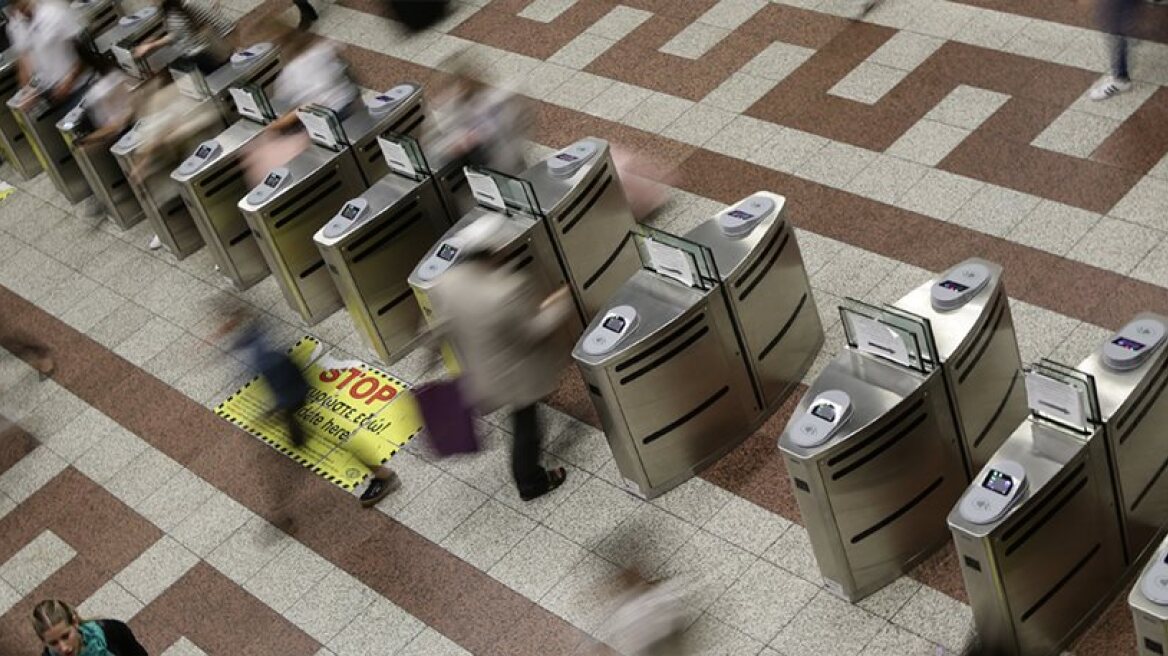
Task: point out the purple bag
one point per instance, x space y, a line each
449 420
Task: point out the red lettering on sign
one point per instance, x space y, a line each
385 393
363 388
329 375
353 373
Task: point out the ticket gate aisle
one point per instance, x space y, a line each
15 147
1037 532
665 368
257 65
875 449
575 199
38 121
372 243
295 200
1148 601
1131 374
211 181
105 178
157 193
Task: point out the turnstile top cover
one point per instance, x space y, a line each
299 168
874 387
551 189
384 193
1041 450
731 251
365 123
952 328
511 229
235 137
238 70
138 16
1117 387
1150 594
660 304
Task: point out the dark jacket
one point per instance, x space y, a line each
119 638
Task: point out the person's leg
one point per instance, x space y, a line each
530 477
308 14
1116 18
27 348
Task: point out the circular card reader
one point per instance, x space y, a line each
383 102
824 415
1001 487
616 324
1131 346
738 220
204 153
276 178
244 57
138 16
566 162
958 285
1154 583
440 260
349 214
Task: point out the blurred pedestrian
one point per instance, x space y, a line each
108 111
506 339
418 15
28 348
197 30
64 633
48 39
649 619
483 124
1117 18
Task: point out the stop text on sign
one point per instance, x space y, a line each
359 385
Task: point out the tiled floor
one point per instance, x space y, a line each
926 133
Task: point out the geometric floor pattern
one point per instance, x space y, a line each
929 132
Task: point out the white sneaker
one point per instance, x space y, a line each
1108 87
155 243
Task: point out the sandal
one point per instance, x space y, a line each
555 478
378 489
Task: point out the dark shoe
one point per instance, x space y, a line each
555 478
308 15
378 489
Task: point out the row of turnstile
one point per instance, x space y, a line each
925 429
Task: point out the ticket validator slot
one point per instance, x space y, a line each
1037 533
614 326
371 245
101 170
310 189
825 415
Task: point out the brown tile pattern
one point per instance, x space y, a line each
497 24
15 443
448 594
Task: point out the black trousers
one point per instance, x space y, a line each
530 476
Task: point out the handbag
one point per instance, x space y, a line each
448 418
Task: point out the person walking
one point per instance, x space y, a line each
47 38
63 633
506 339
1116 17
198 31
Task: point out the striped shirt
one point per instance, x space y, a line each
188 35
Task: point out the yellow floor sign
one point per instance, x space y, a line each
355 416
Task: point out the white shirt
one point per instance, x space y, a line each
108 99
317 76
48 40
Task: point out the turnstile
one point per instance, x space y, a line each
1131 374
295 200
1148 601
1037 532
97 163
130 30
575 199
97 16
685 361
38 121
372 243
257 65
211 181
876 448
157 193
15 146
397 111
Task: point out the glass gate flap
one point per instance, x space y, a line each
404 156
516 194
1062 395
889 333
189 80
252 102
323 126
677 258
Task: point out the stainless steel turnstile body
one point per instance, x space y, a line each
769 295
875 490
370 257
15 146
39 124
157 193
400 110
315 185
258 65
1133 405
211 194
1148 601
675 395
101 170
980 361
138 27
97 16
1039 574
